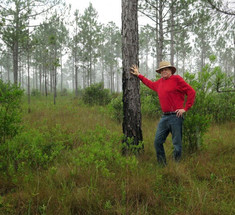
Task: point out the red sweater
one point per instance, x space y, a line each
171 92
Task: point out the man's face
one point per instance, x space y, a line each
166 73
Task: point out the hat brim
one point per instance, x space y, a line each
173 69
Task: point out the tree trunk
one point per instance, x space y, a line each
45 81
28 62
131 86
147 58
102 70
15 61
202 52
84 77
172 31
76 81
157 33
161 37
40 78
111 79
73 74
90 71
234 58
61 73
8 74
55 75
55 83
15 48
177 61
1 72
117 81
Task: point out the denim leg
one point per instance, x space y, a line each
176 130
160 137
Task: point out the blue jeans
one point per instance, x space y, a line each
167 124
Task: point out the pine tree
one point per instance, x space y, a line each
131 97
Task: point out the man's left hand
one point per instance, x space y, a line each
179 112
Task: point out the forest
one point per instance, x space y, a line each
77 129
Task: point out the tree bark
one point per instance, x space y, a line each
172 31
76 81
131 85
161 37
202 52
61 72
45 80
28 68
234 58
55 76
157 33
40 78
15 61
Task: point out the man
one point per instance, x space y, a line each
171 90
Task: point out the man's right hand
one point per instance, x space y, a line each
135 70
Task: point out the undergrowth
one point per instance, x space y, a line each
67 160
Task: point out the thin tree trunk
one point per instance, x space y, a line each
234 58
177 61
15 47
28 62
90 72
76 81
157 33
45 81
161 37
172 31
84 77
117 81
202 52
34 81
51 79
8 74
55 83
147 58
40 78
184 64
55 75
111 79
61 73
102 68
73 74
131 85
15 61
1 72
36 77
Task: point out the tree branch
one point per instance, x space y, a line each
214 6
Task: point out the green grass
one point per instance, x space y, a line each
88 175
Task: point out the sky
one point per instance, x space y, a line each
108 10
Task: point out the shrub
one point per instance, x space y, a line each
64 92
209 106
222 107
10 110
196 123
101 151
35 93
115 108
150 105
30 149
96 95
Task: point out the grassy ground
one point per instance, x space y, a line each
79 169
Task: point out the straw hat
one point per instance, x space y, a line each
165 64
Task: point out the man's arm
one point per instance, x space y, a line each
135 71
189 91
